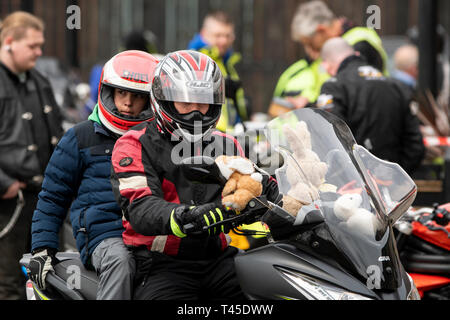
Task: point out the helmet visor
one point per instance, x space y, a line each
198 87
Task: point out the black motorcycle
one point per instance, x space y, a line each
340 246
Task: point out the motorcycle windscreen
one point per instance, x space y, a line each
341 192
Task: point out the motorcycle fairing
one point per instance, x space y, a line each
383 187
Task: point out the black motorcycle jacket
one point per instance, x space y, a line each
377 110
30 127
148 185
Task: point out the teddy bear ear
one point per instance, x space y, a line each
303 134
257 176
291 137
221 162
288 131
301 125
242 165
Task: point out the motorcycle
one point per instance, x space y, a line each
313 254
423 240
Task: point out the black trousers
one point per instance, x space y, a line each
161 277
14 245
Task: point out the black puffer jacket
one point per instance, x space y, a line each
377 110
19 147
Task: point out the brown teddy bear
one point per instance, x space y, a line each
243 184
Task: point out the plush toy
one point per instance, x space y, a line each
305 172
292 205
243 182
347 208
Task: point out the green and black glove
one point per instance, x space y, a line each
41 263
192 220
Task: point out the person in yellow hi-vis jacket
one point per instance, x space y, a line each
215 39
312 25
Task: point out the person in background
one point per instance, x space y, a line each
406 64
375 107
78 178
312 25
29 131
216 39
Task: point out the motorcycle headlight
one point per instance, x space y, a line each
318 290
413 293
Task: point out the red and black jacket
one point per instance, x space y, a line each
148 186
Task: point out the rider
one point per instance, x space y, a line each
158 199
79 171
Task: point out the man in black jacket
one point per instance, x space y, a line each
29 130
377 109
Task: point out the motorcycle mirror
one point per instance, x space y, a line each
202 169
398 211
394 189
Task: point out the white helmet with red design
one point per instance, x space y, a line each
130 70
192 77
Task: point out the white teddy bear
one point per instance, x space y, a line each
347 208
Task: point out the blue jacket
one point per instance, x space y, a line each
197 43
235 109
78 178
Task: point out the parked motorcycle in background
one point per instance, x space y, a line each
423 240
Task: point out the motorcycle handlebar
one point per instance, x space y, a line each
254 210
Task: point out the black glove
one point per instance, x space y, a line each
41 263
192 220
